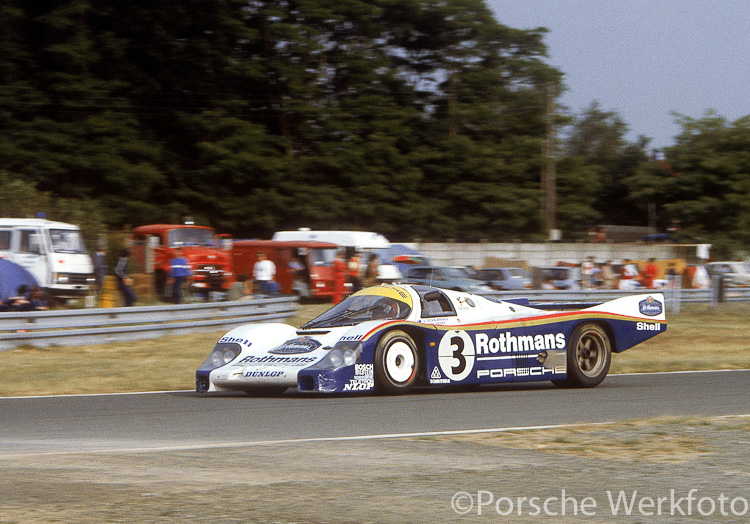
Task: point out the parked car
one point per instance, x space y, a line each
504 278
561 277
734 273
455 278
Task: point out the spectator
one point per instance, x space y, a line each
264 272
587 273
242 289
354 272
124 280
180 271
672 277
607 275
20 301
649 273
37 299
339 277
100 267
300 283
628 275
371 271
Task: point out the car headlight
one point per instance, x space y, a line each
343 354
221 355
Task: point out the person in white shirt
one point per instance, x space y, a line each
264 272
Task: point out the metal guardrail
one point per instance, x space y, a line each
674 297
602 295
124 324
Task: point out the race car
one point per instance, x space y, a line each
391 338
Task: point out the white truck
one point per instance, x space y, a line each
53 252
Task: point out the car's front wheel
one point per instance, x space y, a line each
589 356
396 363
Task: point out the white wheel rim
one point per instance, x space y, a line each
399 362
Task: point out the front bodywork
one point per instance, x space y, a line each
462 339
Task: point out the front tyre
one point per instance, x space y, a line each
396 363
589 356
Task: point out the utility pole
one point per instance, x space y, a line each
549 171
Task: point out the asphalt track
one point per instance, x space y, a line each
184 419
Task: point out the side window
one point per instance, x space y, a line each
436 304
30 242
5 240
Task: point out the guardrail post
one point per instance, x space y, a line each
717 291
674 293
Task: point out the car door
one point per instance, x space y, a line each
31 254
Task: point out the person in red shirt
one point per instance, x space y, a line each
340 273
649 273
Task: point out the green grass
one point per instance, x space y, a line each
699 338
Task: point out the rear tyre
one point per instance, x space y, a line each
396 363
589 356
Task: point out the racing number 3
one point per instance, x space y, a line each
456 355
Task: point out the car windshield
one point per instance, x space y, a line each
191 236
557 273
66 241
456 272
360 308
490 274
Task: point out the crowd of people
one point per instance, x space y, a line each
27 298
626 275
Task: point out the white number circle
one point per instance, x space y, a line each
456 355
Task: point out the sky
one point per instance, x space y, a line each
645 59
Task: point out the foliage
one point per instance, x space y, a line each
418 119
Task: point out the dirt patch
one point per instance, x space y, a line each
400 480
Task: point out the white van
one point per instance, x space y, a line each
53 252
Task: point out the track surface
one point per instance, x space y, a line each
173 420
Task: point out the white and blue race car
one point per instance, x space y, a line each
391 338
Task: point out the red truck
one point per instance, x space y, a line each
316 279
209 254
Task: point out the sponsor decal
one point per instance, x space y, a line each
507 343
647 326
269 359
650 307
437 378
536 371
263 374
355 385
364 378
235 340
296 346
364 370
456 354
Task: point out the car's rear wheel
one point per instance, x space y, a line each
396 363
589 356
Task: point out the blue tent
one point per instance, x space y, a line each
12 276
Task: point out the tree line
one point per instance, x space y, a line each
420 119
